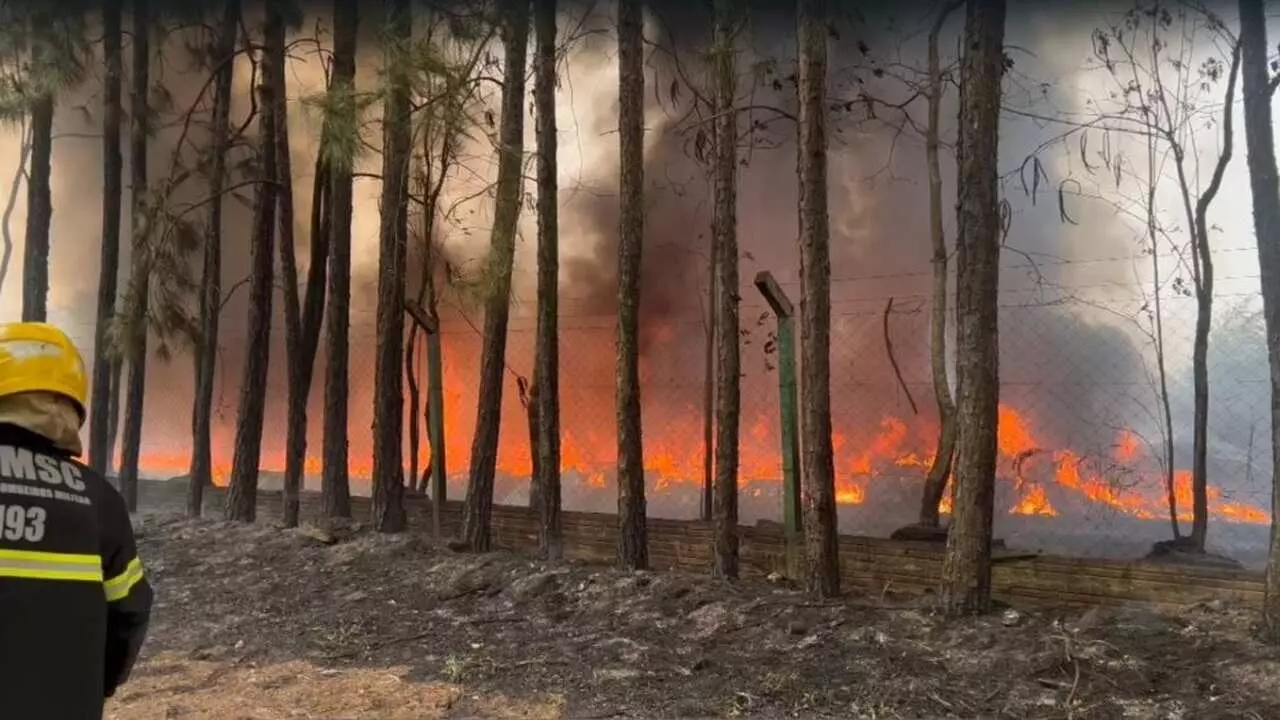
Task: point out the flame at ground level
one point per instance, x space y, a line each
675 457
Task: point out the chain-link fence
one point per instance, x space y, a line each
1089 413
1091 410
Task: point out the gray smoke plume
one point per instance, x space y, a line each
1062 361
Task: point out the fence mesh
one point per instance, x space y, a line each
1082 431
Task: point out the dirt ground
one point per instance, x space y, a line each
255 622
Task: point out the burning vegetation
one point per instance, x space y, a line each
390 155
1128 481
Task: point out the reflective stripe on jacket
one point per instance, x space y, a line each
74 598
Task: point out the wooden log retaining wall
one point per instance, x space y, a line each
871 565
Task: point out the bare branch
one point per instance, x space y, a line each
893 360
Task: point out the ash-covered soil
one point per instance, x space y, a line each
257 622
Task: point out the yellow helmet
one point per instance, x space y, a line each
37 357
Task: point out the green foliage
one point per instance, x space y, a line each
43 51
343 110
162 282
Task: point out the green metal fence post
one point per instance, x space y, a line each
791 511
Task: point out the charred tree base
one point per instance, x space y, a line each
917 532
1182 551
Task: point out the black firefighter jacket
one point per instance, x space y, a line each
74 604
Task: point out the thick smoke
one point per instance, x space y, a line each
1060 365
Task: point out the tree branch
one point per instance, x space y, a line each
897 371
425 322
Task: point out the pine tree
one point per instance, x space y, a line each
211 278
725 228
340 111
513 17
822 551
388 403
966 570
242 496
112 200
547 352
633 536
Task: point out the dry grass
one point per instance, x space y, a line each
172 685
255 623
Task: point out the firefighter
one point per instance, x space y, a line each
74 603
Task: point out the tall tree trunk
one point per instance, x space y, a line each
1157 307
11 201
633 540
433 412
242 497
709 388
531 411
966 571
336 485
546 373
478 508
728 381
1204 319
415 404
435 424
936 482
301 316
112 197
211 277
137 352
1260 139
113 416
388 379
35 270
822 571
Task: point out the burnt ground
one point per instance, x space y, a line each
258 622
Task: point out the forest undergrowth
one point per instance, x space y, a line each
257 622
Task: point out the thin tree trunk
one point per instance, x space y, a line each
1260 139
301 316
633 541
546 373
709 388
966 571
415 404
11 202
424 167
388 381
242 497
35 272
433 408
725 228
478 508
211 279
531 411
822 571
296 402
936 482
1204 319
137 351
336 485
113 417
1157 280
112 199
435 427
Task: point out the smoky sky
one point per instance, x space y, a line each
1062 366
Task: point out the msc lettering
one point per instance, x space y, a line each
22 464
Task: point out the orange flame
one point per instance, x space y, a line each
1038 477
